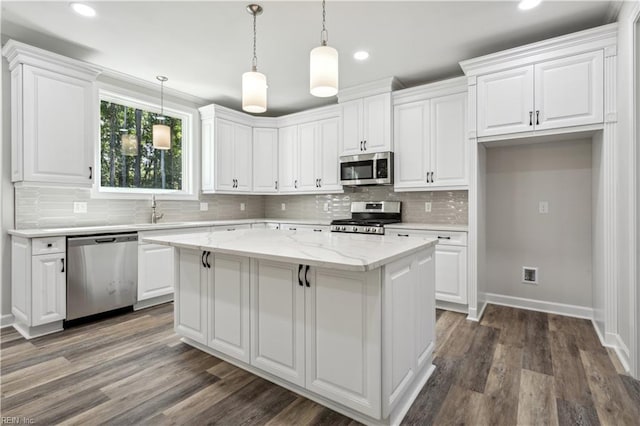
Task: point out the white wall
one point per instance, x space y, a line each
558 243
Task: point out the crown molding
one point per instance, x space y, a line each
431 90
377 87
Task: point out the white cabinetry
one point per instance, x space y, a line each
305 227
451 262
190 307
553 94
277 305
308 157
38 285
265 165
227 151
54 112
366 125
430 138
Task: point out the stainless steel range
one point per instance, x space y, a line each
368 217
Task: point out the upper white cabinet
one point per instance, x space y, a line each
265 165
54 113
308 157
430 138
227 151
366 125
547 95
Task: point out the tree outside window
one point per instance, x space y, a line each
127 156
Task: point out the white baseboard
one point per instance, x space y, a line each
622 351
476 316
541 306
6 320
450 306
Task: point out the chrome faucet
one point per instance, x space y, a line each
155 216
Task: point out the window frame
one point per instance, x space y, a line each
149 103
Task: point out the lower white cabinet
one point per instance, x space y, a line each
38 285
155 271
305 227
451 261
190 306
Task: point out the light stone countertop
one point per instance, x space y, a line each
428 227
104 229
349 252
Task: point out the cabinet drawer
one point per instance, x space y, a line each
298 227
173 231
48 245
456 238
231 227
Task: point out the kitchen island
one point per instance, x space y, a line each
347 320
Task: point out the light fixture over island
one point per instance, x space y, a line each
347 320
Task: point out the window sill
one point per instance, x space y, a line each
142 194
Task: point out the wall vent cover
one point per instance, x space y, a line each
529 275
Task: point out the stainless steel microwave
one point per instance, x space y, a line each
367 169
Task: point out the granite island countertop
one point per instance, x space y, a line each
350 252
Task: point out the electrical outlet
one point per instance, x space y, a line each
326 207
241 207
427 207
543 207
204 207
529 275
79 207
283 206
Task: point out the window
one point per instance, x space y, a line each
128 163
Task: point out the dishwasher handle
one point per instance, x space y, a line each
101 239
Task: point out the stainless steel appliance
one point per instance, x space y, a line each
369 217
102 273
367 169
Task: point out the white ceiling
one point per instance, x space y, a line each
204 47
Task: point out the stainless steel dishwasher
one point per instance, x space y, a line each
102 273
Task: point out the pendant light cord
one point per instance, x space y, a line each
254 62
324 34
162 98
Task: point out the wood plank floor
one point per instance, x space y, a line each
514 367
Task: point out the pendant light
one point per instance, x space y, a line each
129 141
254 84
323 65
161 132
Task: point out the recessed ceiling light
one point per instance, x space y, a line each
83 9
528 4
361 55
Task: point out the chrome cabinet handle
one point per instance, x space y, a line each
62 260
530 118
537 117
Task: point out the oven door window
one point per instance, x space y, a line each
356 170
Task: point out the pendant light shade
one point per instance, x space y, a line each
161 132
323 65
254 92
254 84
129 145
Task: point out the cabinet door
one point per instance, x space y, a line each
412 145
20 279
208 165
190 306
49 296
277 309
329 144
451 273
224 147
287 158
448 129
307 157
265 160
425 268
229 306
156 270
505 102
352 127
242 160
59 121
569 91
377 123
343 338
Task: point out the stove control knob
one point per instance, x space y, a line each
355 229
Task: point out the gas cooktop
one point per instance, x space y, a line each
369 217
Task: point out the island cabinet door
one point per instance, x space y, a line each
343 338
425 267
229 305
190 308
277 308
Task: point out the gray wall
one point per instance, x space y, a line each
450 207
558 243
